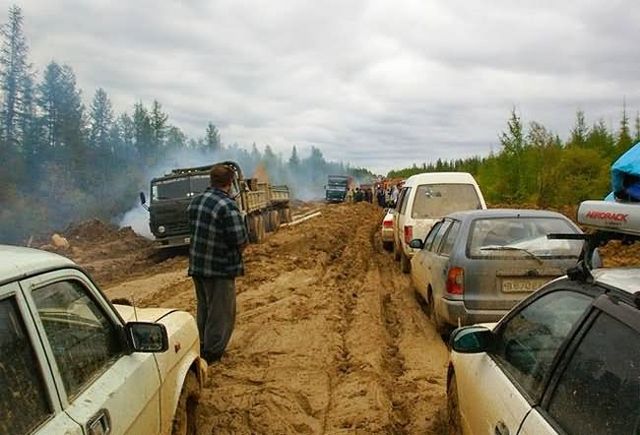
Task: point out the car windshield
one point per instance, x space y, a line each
511 237
177 188
432 201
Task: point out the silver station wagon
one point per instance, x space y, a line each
475 265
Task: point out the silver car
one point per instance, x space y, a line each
474 266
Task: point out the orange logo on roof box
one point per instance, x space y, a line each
607 216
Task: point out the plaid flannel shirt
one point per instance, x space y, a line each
217 231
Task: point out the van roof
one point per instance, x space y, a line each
440 177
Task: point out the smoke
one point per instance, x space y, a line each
138 219
305 178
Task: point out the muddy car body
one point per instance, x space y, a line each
73 362
564 360
474 266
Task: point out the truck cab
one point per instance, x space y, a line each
336 188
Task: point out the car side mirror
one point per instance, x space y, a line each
416 244
146 337
472 339
143 198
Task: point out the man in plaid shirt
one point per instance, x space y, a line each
218 237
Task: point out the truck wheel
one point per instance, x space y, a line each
252 229
288 218
453 407
405 264
260 223
275 219
185 418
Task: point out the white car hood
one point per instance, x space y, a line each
128 314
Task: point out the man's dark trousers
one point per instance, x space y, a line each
216 314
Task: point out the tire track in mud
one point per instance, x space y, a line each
416 384
328 337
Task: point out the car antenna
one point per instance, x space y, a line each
133 304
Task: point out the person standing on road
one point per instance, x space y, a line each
218 237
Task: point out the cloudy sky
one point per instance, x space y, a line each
376 83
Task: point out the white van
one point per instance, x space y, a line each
423 200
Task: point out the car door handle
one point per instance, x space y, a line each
99 424
501 428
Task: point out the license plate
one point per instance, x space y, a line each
187 239
522 285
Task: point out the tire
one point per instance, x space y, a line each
405 264
396 252
387 246
260 230
453 407
185 418
275 220
430 307
252 229
288 217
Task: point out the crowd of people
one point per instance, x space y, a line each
383 197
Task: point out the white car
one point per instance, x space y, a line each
566 360
424 200
386 231
71 362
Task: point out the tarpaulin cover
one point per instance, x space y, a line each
625 176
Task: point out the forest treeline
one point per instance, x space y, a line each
63 161
534 166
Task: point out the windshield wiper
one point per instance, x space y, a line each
512 248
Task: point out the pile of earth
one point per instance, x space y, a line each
109 253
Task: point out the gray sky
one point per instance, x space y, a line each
379 84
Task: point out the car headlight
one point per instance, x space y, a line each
161 229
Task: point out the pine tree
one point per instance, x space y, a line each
158 120
623 140
14 76
212 138
101 122
579 131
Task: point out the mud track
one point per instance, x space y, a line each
329 336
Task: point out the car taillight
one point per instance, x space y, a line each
387 224
455 281
408 234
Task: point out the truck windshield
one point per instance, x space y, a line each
432 201
178 188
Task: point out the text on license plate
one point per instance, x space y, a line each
515 285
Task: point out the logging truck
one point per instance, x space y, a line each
264 206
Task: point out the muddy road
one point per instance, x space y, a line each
329 336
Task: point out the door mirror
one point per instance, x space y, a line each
143 199
472 339
416 244
146 337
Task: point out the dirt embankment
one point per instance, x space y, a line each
329 337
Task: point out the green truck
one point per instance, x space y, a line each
337 187
264 207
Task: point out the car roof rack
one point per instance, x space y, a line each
607 221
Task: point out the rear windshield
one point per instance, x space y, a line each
433 201
518 237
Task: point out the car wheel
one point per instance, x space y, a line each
396 252
429 308
387 246
184 420
453 407
405 264
442 328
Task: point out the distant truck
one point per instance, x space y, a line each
336 188
263 206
